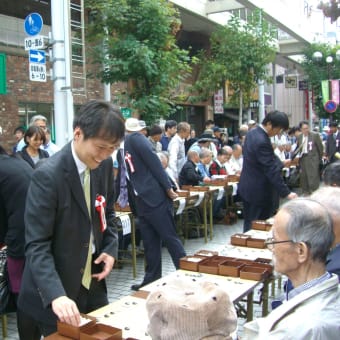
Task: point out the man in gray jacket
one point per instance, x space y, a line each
302 237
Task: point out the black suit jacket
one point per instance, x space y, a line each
15 176
26 157
189 174
147 176
58 231
332 146
262 169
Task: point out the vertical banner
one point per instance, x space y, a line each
218 102
325 91
335 90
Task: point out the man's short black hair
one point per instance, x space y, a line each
331 174
277 119
303 122
333 124
169 124
155 130
19 128
101 119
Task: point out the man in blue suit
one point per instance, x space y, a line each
153 200
262 170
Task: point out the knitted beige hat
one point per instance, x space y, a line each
183 309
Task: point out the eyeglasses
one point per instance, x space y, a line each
270 242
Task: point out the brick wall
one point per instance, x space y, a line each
21 89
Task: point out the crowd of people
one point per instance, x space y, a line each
57 216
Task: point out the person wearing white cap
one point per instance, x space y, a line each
153 195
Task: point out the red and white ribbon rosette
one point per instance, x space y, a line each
100 207
128 159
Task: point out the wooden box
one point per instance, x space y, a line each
190 262
262 260
219 182
210 265
198 188
255 243
101 332
183 193
206 253
253 273
261 225
266 266
239 239
230 268
245 261
233 178
74 331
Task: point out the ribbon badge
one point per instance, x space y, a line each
128 159
337 143
310 145
100 208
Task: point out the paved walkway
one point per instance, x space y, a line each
120 280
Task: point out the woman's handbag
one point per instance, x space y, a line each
7 299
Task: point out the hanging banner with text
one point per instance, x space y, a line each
335 90
218 102
325 91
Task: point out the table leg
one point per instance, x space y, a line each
265 297
4 325
250 306
133 247
205 224
211 198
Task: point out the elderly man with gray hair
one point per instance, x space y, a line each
329 198
302 237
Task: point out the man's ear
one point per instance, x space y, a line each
77 133
303 251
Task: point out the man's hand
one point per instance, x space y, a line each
171 194
206 179
108 261
292 195
66 310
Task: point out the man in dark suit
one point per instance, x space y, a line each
190 174
71 240
333 142
153 199
262 170
15 176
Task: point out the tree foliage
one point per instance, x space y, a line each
321 70
136 41
240 52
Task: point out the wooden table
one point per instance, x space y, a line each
183 204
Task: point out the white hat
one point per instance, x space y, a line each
190 310
142 124
132 125
251 122
325 128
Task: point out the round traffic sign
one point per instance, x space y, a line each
33 23
330 106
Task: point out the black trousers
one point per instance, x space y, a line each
253 212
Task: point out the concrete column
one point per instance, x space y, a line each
63 98
274 93
310 109
261 100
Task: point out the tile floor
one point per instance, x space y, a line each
120 280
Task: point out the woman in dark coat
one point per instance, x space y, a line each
32 153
